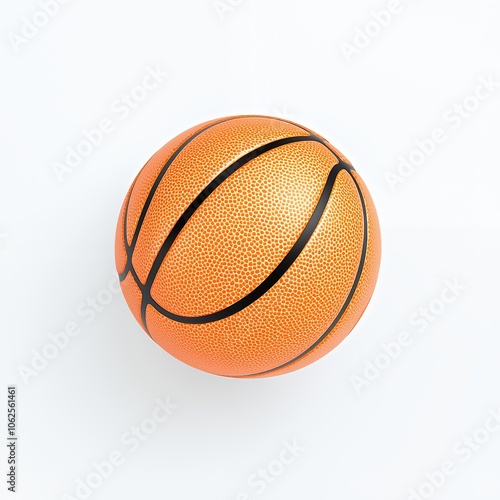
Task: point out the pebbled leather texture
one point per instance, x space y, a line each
236 236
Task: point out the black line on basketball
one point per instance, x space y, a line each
130 248
125 242
349 297
320 139
277 273
183 219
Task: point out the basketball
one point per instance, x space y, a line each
248 247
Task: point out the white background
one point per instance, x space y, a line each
273 57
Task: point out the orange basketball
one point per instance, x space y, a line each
248 246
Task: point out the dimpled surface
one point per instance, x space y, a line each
150 172
291 316
230 257
195 166
235 239
361 296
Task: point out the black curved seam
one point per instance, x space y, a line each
195 204
130 248
140 285
320 139
280 269
357 278
125 242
